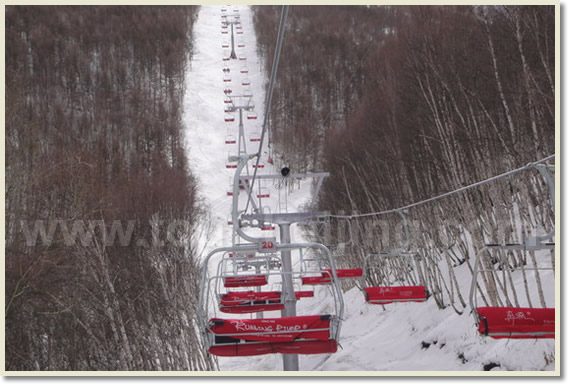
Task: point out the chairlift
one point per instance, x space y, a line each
239 32
230 164
225 32
251 116
255 136
247 92
240 44
258 166
392 287
503 317
227 91
242 57
225 45
247 337
226 79
229 117
325 277
263 193
244 69
230 139
252 301
226 69
509 322
246 81
227 100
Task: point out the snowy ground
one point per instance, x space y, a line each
399 337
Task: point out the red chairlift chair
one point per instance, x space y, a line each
255 136
389 292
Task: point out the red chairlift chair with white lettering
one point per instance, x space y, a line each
504 316
499 266
248 337
394 277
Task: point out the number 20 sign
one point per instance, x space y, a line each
268 245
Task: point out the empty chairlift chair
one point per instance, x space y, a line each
506 268
295 335
252 116
263 193
255 136
312 334
505 316
321 273
253 301
229 118
230 164
226 79
245 82
244 69
394 278
225 44
230 139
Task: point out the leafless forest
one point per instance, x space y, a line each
94 133
401 104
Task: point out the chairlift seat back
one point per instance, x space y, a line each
388 295
245 281
307 347
516 323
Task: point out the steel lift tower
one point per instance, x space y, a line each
232 20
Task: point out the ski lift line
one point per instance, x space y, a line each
274 72
462 189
